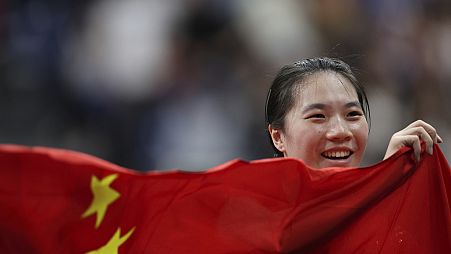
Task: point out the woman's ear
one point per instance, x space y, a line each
277 138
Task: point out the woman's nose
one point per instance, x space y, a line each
339 130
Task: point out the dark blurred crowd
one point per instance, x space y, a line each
152 84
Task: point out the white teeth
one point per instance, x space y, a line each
339 154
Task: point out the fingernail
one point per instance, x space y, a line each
430 150
417 158
440 140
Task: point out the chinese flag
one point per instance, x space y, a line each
57 201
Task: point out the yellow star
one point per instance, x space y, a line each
113 244
104 195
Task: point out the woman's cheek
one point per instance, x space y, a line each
361 134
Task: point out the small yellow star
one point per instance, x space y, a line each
104 195
113 244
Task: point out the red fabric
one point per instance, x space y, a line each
266 206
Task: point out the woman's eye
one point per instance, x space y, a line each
316 116
355 113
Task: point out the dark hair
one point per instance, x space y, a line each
280 97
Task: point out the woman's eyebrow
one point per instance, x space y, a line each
353 104
313 106
323 106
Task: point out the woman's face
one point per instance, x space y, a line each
326 127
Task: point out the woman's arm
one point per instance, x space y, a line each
415 133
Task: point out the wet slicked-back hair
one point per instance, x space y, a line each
281 95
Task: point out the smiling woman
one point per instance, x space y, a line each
317 111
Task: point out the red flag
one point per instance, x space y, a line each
56 201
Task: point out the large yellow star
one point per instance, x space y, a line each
114 243
104 195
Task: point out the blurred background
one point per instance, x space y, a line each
162 84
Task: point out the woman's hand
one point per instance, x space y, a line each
413 135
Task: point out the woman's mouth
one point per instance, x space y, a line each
337 155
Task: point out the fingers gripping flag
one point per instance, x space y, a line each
57 201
